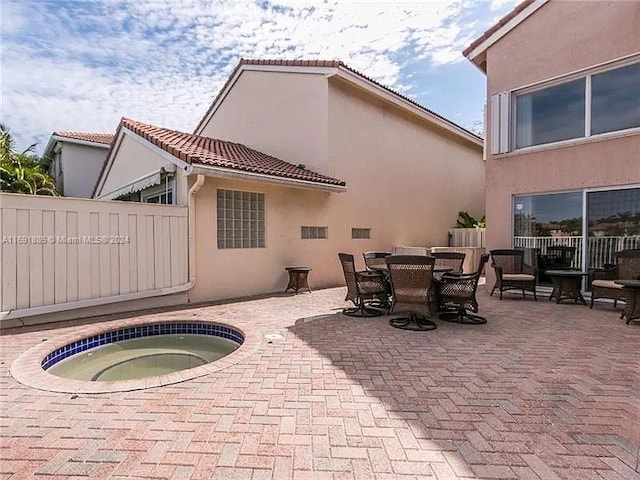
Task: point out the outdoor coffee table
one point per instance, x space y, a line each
632 305
566 285
298 278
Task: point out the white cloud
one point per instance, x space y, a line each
499 4
81 66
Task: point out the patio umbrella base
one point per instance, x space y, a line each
462 316
413 322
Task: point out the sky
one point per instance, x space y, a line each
83 65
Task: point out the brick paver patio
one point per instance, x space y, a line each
542 391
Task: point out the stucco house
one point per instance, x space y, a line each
293 162
563 127
76 160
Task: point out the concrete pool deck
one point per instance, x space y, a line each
542 391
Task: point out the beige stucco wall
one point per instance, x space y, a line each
405 180
132 161
228 273
81 165
559 38
281 114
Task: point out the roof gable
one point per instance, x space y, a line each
476 52
330 68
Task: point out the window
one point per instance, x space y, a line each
550 115
360 233
313 232
240 219
596 102
162 193
165 198
612 223
615 99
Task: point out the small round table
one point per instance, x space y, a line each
298 279
566 285
632 305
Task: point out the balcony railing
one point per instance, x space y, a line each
601 249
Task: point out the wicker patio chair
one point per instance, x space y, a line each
411 285
449 259
459 292
557 257
363 289
627 268
512 273
375 258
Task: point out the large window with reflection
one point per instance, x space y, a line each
547 224
560 111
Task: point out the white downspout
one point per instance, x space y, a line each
191 202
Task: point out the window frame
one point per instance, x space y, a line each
587 74
315 228
259 221
361 229
165 188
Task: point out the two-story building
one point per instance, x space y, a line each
563 127
294 162
76 159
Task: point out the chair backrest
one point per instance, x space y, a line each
561 255
628 264
449 259
510 261
411 281
375 258
465 286
349 268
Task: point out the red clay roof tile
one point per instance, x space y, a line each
219 153
104 138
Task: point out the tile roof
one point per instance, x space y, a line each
323 64
196 149
520 7
104 138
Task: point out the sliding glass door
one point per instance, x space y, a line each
613 224
551 228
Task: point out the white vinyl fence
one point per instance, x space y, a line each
59 253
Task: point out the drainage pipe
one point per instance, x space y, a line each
191 202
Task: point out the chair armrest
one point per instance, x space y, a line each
529 270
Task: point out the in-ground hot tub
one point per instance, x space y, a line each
142 351
131 355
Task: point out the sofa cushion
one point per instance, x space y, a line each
520 277
605 284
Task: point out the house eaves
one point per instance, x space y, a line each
335 68
477 51
198 154
55 139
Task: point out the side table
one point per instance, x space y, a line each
632 305
566 285
298 279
